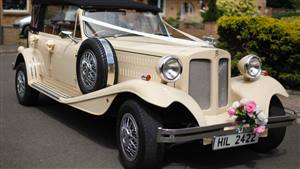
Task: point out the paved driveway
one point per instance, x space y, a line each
52 135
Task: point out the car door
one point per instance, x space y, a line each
60 51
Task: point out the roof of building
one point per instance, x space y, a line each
101 4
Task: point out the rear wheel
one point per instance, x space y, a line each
275 135
26 95
136 136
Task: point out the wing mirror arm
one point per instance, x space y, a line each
68 34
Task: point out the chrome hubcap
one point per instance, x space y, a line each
129 137
21 84
88 69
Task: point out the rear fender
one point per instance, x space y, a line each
33 61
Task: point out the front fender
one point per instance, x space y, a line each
261 90
152 92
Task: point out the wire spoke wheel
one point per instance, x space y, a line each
21 82
88 69
129 137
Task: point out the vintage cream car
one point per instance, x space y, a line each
118 58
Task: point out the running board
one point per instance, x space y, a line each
50 90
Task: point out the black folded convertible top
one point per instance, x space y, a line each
101 4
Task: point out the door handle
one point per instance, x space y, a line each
50 45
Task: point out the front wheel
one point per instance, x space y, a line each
275 135
136 136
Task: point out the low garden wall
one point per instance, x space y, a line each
9 35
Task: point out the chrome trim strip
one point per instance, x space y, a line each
158 56
196 133
48 87
40 89
111 63
49 91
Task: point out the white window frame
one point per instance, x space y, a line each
163 13
17 11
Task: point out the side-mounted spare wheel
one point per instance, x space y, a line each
26 95
97 65
275 135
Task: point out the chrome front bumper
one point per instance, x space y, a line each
197 133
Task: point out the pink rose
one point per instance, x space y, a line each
231 111
250 108
259 129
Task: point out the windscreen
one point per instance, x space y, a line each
146 22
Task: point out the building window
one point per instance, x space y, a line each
15 6
159 3
202 5
186 9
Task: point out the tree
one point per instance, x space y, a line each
237 7
213 13
291 4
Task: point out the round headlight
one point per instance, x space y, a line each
250 66
170 68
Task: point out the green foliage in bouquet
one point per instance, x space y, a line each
243 118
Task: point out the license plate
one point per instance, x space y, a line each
234 140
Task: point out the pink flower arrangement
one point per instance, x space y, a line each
260 129
231 111
248 112
250 107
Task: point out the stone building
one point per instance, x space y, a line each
187 11
10 11
186 8
177 8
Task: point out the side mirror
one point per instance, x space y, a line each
68 34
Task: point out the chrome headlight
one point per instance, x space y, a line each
250 66
169 68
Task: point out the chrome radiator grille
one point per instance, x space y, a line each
223 82
200 87
200 82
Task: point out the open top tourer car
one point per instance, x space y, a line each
118 58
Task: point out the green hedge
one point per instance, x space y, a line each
276 41
285 14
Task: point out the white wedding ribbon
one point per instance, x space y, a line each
194 38
158 37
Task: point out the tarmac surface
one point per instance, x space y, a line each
52 135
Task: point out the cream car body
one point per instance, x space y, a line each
49 55
51 69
